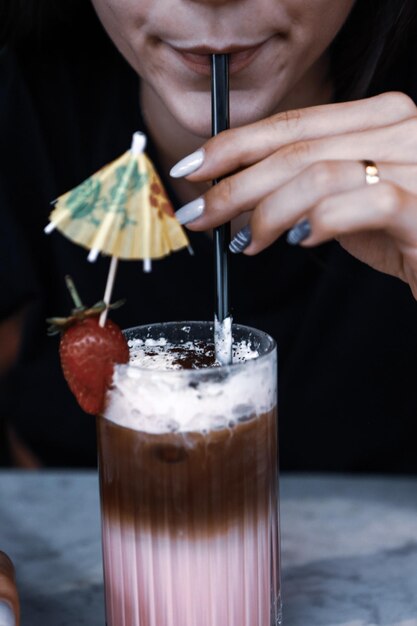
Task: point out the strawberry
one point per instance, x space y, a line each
89 352
88 355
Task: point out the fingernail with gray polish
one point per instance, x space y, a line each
241 240
191 211
300 232
188 164
7 617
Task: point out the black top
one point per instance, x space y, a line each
346 334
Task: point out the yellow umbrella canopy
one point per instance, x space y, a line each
122 210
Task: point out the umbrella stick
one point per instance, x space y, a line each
109 289
220 122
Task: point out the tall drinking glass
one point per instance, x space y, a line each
189 483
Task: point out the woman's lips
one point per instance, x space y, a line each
199 60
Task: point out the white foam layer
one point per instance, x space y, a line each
158 354
173 399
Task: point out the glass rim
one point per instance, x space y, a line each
269 351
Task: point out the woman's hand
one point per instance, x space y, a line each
9 601
305 168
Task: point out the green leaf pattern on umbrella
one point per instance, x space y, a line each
87 201
128 181
82 200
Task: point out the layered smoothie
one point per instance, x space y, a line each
188 472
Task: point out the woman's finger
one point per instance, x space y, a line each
238 148
383 207
288 204
9 601
244 190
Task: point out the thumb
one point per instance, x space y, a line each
9 600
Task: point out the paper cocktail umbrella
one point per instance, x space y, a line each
121 211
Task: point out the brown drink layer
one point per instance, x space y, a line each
188 480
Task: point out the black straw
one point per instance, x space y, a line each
220 122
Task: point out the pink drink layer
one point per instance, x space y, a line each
189 521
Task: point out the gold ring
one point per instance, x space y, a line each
371 172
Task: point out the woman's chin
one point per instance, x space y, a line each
195 118
198 126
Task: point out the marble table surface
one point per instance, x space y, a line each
349 548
